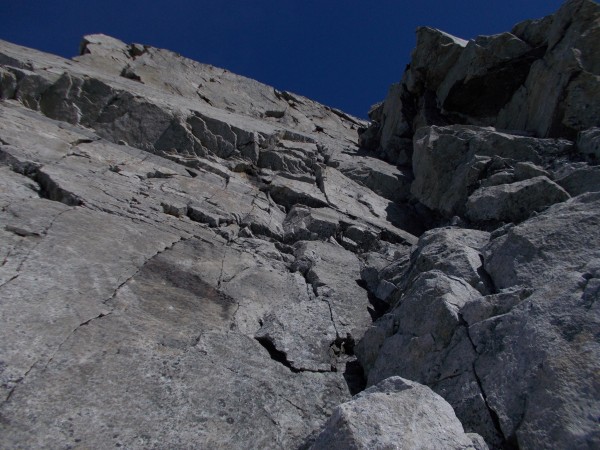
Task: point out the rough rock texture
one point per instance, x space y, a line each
189 258
499 319
396 413
170 253
451 162
541 78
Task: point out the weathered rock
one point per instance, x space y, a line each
581 180
396 413
485 75
561 93
8 84
177 228
540 78
304 223
424 336
514 202
107 228
588 143
525 170
348 301
455 252
449 163
543 311
544 348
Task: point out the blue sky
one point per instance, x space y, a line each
343 53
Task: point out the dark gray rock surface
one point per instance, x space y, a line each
192 259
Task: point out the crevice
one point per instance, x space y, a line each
276 355
486 277
14 277
49 189
343 346
378 307
303 411
354 375
508 443
17 383
77 142
99 316
281 357
168 247
321 178
337 334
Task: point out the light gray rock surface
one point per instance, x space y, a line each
514 202
396 413
148 290
527 353
192 259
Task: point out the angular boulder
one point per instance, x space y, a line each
513 202
396 413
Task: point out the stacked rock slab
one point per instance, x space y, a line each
190 258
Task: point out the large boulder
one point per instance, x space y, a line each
539 363
514 202
396 413
424 336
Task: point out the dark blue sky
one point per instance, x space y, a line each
343 53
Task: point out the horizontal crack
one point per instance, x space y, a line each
281 357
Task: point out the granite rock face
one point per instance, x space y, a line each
190 258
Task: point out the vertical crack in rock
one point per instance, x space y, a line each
510 443
485 277
378 307
321 178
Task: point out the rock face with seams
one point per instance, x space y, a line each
189 258
178 241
